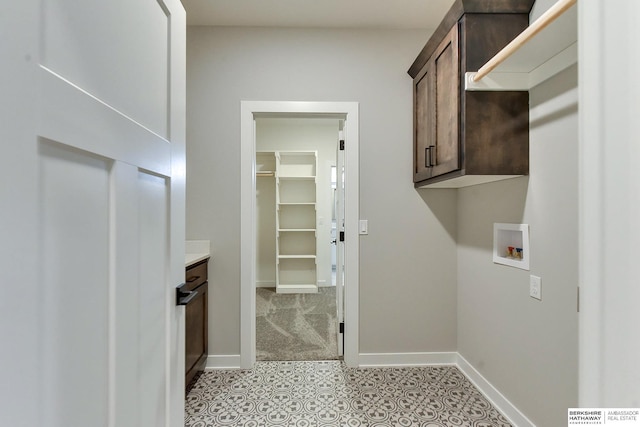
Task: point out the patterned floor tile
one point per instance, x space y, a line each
327 393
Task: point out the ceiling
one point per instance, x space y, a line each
380 14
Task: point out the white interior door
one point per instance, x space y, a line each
340 232
92 223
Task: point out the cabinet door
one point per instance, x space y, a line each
436 107
445 156
424 122
196 335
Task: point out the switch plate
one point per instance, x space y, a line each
364 226
535 287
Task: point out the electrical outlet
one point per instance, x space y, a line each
535 287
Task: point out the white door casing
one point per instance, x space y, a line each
609 99
339 229
93 128
249 110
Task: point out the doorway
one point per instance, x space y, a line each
296 299
348 113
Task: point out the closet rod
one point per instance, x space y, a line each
543 21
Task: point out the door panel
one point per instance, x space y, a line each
116 50
73 211
93 213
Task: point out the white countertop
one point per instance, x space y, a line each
196 251
190 259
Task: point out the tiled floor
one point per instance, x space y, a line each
326 393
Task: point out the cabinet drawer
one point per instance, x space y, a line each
196 275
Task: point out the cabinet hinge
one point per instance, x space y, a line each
342 145
342 327
342 236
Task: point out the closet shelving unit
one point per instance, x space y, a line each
296 234
548 46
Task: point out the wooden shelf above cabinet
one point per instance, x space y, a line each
548 46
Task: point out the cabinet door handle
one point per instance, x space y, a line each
427 157
184 297
432 148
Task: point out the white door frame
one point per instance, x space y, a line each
339 246
609 204
249 110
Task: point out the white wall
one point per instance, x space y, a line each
408 260
526 348
298 134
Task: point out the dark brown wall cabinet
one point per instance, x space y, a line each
196 321
462 137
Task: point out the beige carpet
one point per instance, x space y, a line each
296 326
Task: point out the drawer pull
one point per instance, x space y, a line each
184 297
192 279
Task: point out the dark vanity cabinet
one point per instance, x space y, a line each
196 321
463 137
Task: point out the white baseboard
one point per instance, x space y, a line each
497 399
224 361
374 360
272 284
324 284
265 284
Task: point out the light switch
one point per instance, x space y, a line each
364 226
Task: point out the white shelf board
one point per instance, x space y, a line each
296 203
297 177
296 257
551 51
300 153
